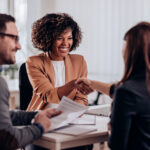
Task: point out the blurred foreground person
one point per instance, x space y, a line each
130 118
12 137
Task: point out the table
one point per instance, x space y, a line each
56 141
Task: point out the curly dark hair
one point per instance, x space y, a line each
46 30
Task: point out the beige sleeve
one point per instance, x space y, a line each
41 82
80 98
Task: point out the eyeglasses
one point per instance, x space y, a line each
15 37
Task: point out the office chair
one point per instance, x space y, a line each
25 88
95 102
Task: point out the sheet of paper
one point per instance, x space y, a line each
70 111
99 110
85 120
75 130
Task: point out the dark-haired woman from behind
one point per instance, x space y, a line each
130 118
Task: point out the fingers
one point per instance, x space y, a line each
82 85
43 120
66 89
83 80
71 83
43 117
56 113
80 80
52 112
84 89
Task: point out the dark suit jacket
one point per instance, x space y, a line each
130 119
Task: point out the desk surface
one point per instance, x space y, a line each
56 141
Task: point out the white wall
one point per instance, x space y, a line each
4 6
35 10
103 23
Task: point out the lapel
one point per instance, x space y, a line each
49 68
69 71
70 74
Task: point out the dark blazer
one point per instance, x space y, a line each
12 137
130 119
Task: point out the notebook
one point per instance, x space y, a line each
100 110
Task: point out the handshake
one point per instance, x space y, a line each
83 85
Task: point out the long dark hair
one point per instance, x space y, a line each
137 52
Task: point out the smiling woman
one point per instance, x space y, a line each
54 72
62 45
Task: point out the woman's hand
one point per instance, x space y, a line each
87 86
66 89
84 86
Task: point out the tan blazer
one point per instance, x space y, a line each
41 75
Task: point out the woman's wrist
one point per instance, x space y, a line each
94 85
112 90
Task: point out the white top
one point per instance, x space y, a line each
59 70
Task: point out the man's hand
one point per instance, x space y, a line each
43 117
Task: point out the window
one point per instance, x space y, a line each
20 13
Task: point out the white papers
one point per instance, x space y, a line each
75 130
85 120
99 110
70 111
53 105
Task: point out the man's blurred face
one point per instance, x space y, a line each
9 44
